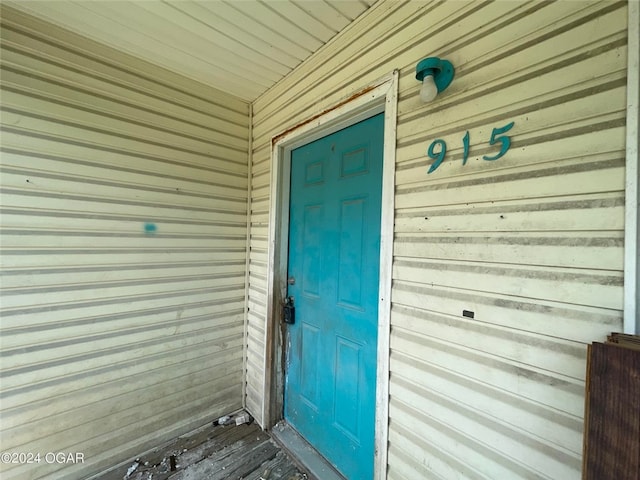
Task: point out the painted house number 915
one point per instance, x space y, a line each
496 137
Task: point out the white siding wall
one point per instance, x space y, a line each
115 338
532 243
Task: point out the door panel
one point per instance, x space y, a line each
334 256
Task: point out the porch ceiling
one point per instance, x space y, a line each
242 47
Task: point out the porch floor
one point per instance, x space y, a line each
215 452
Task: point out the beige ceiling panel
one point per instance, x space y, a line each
273 41
349 8
237 34
240 47
304 20
325 13
279 23
214 32
170 28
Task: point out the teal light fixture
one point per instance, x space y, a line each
436 75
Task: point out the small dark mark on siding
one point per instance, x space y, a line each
560 312
543 172
527 241
525 207
547 275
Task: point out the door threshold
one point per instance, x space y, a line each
302 452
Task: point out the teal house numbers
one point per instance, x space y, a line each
438 148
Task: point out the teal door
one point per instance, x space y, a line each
334 257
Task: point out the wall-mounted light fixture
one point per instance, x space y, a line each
435 75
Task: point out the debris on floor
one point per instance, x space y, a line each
239 419
230 448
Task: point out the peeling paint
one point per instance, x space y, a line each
359 93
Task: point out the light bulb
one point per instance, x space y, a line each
429 91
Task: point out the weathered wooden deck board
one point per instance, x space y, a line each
215 452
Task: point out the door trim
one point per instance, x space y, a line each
632 192
380 96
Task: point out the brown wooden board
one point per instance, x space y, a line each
629 341
612 421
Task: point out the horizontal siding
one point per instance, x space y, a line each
124 231
257 294
531 243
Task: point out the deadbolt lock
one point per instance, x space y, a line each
289 311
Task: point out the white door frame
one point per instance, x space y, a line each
380 96
632 192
